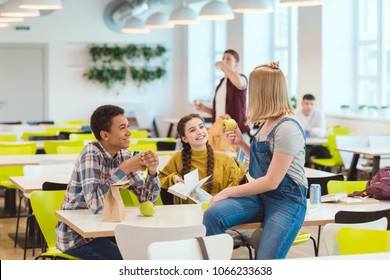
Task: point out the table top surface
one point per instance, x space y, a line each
34 159
90 225
367 150
316 141
28 184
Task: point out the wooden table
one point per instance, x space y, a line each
375 152
28 184
17 160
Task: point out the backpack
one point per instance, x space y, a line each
379 185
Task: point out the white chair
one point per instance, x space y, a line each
133 241
378 140
219 247
351 141
330 233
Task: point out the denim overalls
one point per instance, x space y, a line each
282 211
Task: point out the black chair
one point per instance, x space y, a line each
323 181
166 146
31 221
11 123
166 197
354 217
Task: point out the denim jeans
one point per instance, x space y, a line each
286 208
97 249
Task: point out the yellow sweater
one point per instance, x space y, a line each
226 172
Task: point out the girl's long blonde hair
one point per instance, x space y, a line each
268 94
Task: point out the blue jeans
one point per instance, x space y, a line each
281 211
97 249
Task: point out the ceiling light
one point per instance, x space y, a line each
158 20
41 4
183 16
11 9
3 24
301 3
11 19
216 10
253 6
134 25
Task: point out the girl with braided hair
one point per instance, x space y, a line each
198 154
277 195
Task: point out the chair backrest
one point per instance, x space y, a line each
143 147
55 169
323 182
50 147
139 133
71 122
44 204
58 129
346 186
82 136
331 230
133 241
378 140
130 199
343 141
333 150
166 146
26 135
52 186
363 241
353 217
69 149
8 138
219 247
340 130
18 149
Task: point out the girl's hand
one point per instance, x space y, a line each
220 196
178 179
234 137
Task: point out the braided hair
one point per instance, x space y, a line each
186 152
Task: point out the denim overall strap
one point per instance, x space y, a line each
261 154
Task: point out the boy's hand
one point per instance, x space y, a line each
150 160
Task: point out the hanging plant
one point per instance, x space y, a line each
145 75
110 74
107 75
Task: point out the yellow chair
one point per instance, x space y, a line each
8 138
363 241
26 135
143 147
340 130
69 149
57 130
8 171
130 199
71 122
50 147
44 204
139 133
346 186
82 136
335 160
161 145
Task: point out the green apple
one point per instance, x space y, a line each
147 208
204 206
229 125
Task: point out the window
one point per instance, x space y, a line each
285 41
373 52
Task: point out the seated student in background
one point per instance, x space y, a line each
198 154
98 166
312 121
311 118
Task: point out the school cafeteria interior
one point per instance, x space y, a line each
157 60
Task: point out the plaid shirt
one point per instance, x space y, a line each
95 170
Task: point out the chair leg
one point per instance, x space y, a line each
17 220
314 246
26 237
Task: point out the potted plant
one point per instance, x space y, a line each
345 109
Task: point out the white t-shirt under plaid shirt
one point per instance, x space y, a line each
94 172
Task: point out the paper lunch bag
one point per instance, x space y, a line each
114 209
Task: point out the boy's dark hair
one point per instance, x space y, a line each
309 96
234 54
101 118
